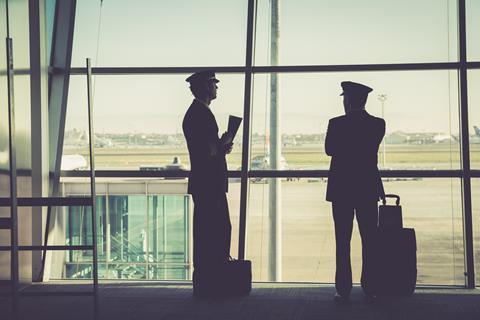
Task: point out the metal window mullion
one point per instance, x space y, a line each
92 175
14 272
50 247
108 245
147 234
164 233
186 231
269 69
61 55
465 151
473 65
246 128
269 173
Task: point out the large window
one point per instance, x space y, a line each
160 33
307 245
138 119
409 52
354 32
420 109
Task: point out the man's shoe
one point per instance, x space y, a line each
341 299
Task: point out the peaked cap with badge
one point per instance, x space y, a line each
355 89
202 76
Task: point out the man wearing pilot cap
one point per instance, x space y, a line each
354 185
207 183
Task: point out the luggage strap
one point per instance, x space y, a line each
397 197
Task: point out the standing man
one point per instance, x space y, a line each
207 183
354 185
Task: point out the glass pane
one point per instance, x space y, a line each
233 198
126 271
138 119
160 33
473 30
359 32
139 236
128 233
474 117
19 32
23 124
431 206
476 227
421 112
49 21
168 239
73 227
4 153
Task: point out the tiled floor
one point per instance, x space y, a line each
267 301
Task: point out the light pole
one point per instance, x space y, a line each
382 98
275 147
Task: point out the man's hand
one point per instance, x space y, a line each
226 139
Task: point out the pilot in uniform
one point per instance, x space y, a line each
354 185
208 181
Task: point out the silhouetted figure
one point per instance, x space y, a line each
208 181
354 185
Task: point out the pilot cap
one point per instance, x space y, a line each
355 89
202 76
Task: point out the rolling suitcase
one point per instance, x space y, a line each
396 253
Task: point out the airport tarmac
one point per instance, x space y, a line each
431 206
312 156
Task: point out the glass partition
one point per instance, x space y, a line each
139 236
356 32
476 226
145 225
138 119
307 246
420 109
473 30
474 117
160 33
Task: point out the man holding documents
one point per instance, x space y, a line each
208 181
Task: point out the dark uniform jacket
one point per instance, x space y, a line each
208 173
352 141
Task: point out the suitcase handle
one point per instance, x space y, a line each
397 197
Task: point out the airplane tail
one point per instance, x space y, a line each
477 130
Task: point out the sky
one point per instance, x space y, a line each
312 32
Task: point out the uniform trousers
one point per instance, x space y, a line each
367 219
211 230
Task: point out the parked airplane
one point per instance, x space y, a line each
263 163
73 162
438 138
79 138
477 131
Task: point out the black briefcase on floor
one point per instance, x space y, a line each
230 279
